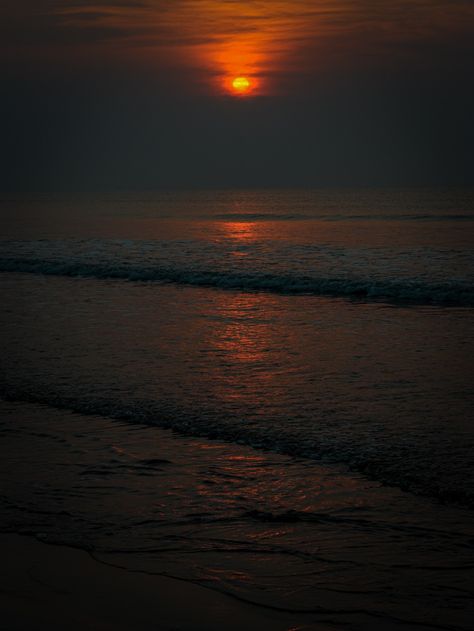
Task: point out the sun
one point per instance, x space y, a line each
241 85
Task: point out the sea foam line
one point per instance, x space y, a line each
170 415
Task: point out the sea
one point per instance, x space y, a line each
265 392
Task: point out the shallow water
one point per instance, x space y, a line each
274 530
387 390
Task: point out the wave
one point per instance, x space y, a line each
407 291
170 415
251 217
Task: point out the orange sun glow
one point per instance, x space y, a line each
241 85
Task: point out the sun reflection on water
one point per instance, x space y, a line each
240 230
243 336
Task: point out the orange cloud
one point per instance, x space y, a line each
264 40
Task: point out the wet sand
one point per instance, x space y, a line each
56 587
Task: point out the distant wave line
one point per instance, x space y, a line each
251 217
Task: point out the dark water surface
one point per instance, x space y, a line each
332 329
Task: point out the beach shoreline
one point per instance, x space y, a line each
49 586
124 526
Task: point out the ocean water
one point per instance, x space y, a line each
311 350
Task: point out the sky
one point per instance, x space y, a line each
132 95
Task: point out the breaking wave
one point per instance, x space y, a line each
390 469
414 291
